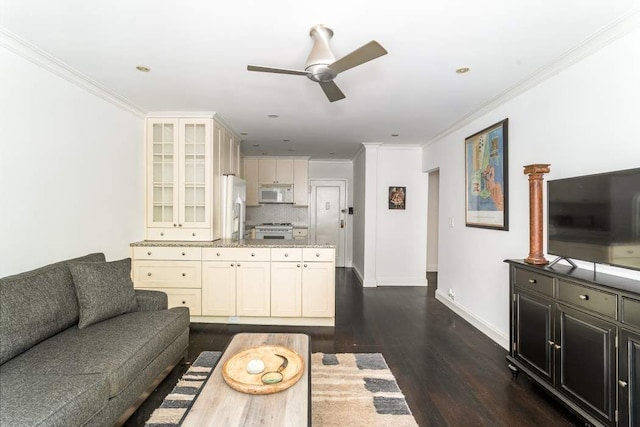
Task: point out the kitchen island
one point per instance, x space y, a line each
261 282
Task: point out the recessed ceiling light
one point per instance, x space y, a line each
290 149
264 154
331 153
256 145
143 68
273 116
395 134
462 70
286 140
243 133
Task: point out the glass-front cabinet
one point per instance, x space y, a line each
179 181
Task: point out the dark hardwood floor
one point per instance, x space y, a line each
451 374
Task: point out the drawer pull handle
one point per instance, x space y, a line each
193 234
286 255
584 297
298 265
148 253
305 265
551 342
532 281
217 253
238 265
557 346
318 255
184 274
149 274
184 302
179 225
175 225
231 265
623 384
161 234
253 254
183 253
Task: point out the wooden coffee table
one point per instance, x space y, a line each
220 405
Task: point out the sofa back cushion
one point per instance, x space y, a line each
36 305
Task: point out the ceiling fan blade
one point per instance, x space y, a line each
276 70
332 91
366 53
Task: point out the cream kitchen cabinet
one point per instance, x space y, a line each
252 178
240 272
275 171
286 282
230 150
318 282
301 182
172 270
179 179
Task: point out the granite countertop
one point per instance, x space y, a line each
225 243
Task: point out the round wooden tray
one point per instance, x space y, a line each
236 376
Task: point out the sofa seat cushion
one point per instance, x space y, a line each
119 347
51 400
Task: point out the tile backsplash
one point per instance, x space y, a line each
277 213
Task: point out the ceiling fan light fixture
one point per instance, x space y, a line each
395 134
463 70
256 145
273 116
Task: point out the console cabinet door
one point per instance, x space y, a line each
585 361
253 287
218 288
629 379
533 329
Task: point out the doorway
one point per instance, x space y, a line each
433 203
328 215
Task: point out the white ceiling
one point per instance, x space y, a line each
198 52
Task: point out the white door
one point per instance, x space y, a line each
328 215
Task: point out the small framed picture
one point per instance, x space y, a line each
397 197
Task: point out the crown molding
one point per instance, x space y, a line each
37 56
608 34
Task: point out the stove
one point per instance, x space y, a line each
274 230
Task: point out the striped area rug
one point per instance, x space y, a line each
348 389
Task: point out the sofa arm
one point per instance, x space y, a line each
151 300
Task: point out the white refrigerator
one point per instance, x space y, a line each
233 198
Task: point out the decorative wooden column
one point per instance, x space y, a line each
536 178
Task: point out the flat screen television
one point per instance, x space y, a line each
596 218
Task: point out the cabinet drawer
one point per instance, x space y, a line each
538 282
589 298
630 312
179 234
167 274
318 254
286 254
168 253
184 298
236 254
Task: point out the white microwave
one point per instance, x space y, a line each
276 194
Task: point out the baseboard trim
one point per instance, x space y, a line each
402 281
358 275
365 284
475 321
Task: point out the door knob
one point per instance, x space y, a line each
622 384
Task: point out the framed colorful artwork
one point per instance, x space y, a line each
397 197
486 178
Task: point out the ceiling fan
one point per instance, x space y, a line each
322 66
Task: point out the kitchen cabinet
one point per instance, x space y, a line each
569 332
301 182
179 179
252 178
275 171
174 271
286 282
236 282
230 148
318 282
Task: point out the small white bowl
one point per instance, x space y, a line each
255 366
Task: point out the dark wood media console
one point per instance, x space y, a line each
577 334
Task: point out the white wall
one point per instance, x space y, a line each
71 170
583 120
390 244
342 170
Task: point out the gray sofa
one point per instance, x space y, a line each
57 372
